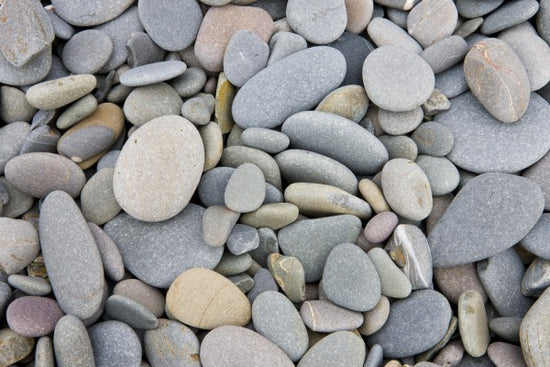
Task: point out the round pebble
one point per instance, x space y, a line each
442 174
380 227
33 286
432 20
146 103
33 316
190 82
340 347
399 123
115 344
246 54
245 190
302 17
434 139
171 344
87 52
384 32
455 280
399 147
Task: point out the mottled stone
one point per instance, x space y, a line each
33 316
432 20
452 281
41 139
32 72
14 106
288 272
375 318
14 347
349 101
536 278
60 92
472 323
171 344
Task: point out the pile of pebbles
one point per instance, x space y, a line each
274 183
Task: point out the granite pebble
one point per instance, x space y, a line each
341 347
33 286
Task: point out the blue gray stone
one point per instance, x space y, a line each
12 138
32 72
263 282
41 139
72 344
441 172
473 9
61 28
341 347
87 52
131 312
171 345
303 17
536 241
83 13
445 53
152 73
270 141
115 344
509 15
246 54
33 286
452 82
355 49
283 44
433 138
234 156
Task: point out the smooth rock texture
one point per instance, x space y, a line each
518 145
349 101
285 43
14 347
155 182
142 293
393 282
534 332
442 175
234 156
288 272
447 52
18 244
397 80
33 286
384 32
494 227
33 316
60 92
380 227
540 173
270 141
217 224
171 344
432 20
399 123
354 48
505 354
273 216
246 54
374 319
152 73
14 106
472 323
535 240
97 198
115 344
72 344
455 280
508 15
110 256
326 317
41 139
83 13
287 87
62 226
87 52
143 104
245 190
78 110
131 312
359 15
434 139
320 22
506 328
32 72
174 245
341 347
234 346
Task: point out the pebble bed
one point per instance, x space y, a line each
242 183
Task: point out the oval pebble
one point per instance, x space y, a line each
87 52
83 13
445 53
14 347
326 317
97 198
155 72
442 174
190 82
71 343
434 139
171 344
41 139
77 111
30 285
534 336
384 32
273 215
12 139
349 101
146 103
18 244
380 227
472 323
245 190
234 156
341 347
110 256
452 281
506 354
142 186
115 344
375 318
14 105
270 141
302 17
142 293
242 239
131 312
246 55
289 274
432 20
399 123
44 354
33 316
56 93
393 282
509 15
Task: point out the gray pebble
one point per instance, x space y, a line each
148 296
509 15
212 185
217 224
396 4
455 280
536 241
233 264
263 282
302 17
97 198
536 278
445 53
540 173
542 22
190 82
72 344
399 123
434 139
432 20
32 72
235 156
380 227
61 28
468 28
269 141
283 44
142 50
77 111
533 331
130 312
83 13
87 52
341 347
108 160
474 9
41 139
506 328
5 296
44 354
442 175
12 138
354 48
110 256
288 272
14 106
85 143
199 109
375 356
268 245
246 54
171 345
437 103
33 286
398 16
384 32
119 93
393 282
326 317
243 281
42 117
152 73
503 354
19 202
242 239
146 103
115 344
399 147
452 82
245 190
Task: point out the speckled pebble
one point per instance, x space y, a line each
115 344
326 317
33 316
148 102
33 286
152 73
171 344
87 52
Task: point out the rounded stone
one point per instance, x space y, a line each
14 347
50 95
434 139
155 182
212 140
535 332
341 347
152 73
498 79
32 72
202 298
535 240
302 16
246 54
190 82
71 343
472 323
33 316
234 156
110 256
12 139
506 328
131 312
14 106
432 20
77 111
198 109
375 318
115 344
325 317
442 174
288 271
19 202
270 141
380 227
83 13
234 346
397 80
87 52
142 293
276 318
30 285
394 283
445 53
18 244
384 32
407 189
505 354
349 101
354 48
452 281
171 345
242 239
399 123
399 147
146 103
97 198
359 14
509 15
245 190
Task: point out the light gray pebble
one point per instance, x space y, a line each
30 285
245 190
399 146
445 53
325 317
87 52
72 344
451 82
432 20
536 278
44 354
537 239
199 109
442 174
77 111
32 72
242 239
5 295
42 117
302 18
142 50
246 54
434 139
234 156
118 94
14 106
110 256
375 356
384 32
19 202
394 283
399 123
171 345
540 173
115 344
233 264
12 138
146 103
61 28
269 141
473 9
152 73
469 27
509 15
263 282
130 312
190 82
341 347
217 223
83 13
108 160
243 281
397 16
283 44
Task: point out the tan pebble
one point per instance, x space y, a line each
273 215
288 272
373 195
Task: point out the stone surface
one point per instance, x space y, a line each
18 244
393 282
534 331
44 354
110 256
30 285
263 282
115 344
518 145
285 43
434 139
273 215
142 50
33 316
234 156
508 15
60 92
354 48
140 188
442 175
399 123
144 104
399 147
445 53
455 280
349 101
375 318
171 345
174 245
87 52
203 298
131 312
326 317
14 105
505 354
152 73
359 15
212 140
397 80
452 82
288 272
341 347
199 108
12 138
142 293
321 22
83 13
14 347
543 26
269 141
77 111
41 139
217 224
540 173
243 238
72 344
287 87
19 202
384 32
472 323
494 227
432 20
98 201
245 190
536 278
380 227
535 240
246 54
32 72
506 328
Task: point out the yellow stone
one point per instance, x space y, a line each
225 93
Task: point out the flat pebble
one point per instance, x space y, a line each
283 44
77 111
354 48
245 190
263 282
445 53
217 223
375 357
326 317
87 52
508 15
273 215
340 347
506 328
171 345
534 338
203 298
302 17
152 73
139 187
131 312
539 173
384 32
452 281
432 20
60 92
12 138
14 105
72 343
375 318
14 347
33 286
243 238
276 318
225 94
115 344
386 86
472 323
505 354
41 139
442 174
174 25
269 141
234 346
536 278
349 101
98 201
399 123
326 232
393 282
233 264
146 103
518 145
142 293
199 109
82 13
142 50
399 147
190 82
246 55
494 228
173 245
289 274
287 87
434 139
452 82
314 131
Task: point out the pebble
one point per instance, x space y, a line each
32 72
434 139
506 328
233 264
263 282
312 130
375 357
393 282
225 94
33 316
409 249
453 281
509 15
139 187
77 111
494 228
72 343
174 25
429 354
539 173
243 238
432 20
536 279
60 92
234 346
171 345
349 101
472 323
131 312
288 272
217 224
152 73
415 324
115 344
534 339
173 245
325 317
199 108
190 82
44 354
359 15
245 190
274 216
33 286
505 354
384 32
212 140
535 240
287 87
202 298
18 244
410 197
276 318
283 44
142 293
399 123
142 50
14 347
442 174
451 354
501 276
383 79
445 53
543 26
14 105
504 94
473 9
87 52
268 244
41 139
375 318
220 24
110 256
354 48
270 141
302 17
81 13
97 198
452 82
149 102
518 145
341 347
327 233
19 201
234 156
246 55
12 138
399 147
212 185
437 103
350 278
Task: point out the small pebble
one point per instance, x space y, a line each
289 274
269 141
245 190
375 318
326 317
340 347
393 282
145 103
131 312
246 55
87 52
432 20
152 73
434 139
199 109
57 93
171 344
472 323
114 344
33 316
32 286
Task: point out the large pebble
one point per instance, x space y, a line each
509 15
14 347
155 182
171 345
513 147
353 146
18 244
415 324
432 20
535 332
87 51
276 318
115 344
60 92
33 316
326 317
72 344
171 24
234 346
76 276
173 245
460 237
341 347
287 87
84 13
397 80
303 17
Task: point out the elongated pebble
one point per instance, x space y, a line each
393 282
60 92
152 73
376 318
269 141
326 317
115 344
272 215
72 344
110 255
131 312
217 223
472 323
33 286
